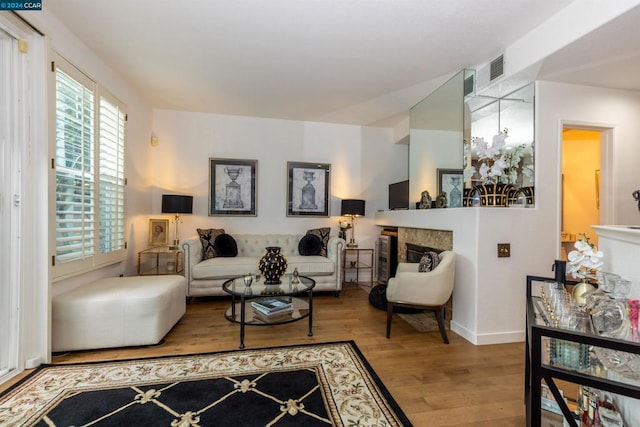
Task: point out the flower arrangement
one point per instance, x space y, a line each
586 260
498 163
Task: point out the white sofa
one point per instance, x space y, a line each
205 277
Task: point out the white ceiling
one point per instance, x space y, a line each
343 61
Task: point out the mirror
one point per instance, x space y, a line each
501 147
436 136
453 129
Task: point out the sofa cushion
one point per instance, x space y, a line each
314 265
323 234
428 262
207 238
226 246
310 244
220 268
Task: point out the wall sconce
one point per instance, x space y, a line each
352 208
154 140
177 205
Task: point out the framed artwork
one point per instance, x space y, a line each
451 181
158 232
232 187
308 189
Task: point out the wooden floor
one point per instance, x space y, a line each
435 384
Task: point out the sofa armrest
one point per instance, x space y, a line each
192 248
335 246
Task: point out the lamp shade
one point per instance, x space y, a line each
352 207
177 204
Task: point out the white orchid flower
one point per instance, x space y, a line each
585 260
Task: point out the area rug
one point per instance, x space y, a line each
423 322
310 385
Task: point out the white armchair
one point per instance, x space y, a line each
429 291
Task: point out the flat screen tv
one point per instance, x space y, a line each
399 195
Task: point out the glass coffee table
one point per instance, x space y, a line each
299 295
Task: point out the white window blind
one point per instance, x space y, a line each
112 130
89 170
75 195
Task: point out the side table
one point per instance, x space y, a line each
355 259
160 260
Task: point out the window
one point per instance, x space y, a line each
89 172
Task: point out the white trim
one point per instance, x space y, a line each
27 193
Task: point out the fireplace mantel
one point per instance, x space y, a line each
621 247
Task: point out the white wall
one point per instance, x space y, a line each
429 150
560 104
359 159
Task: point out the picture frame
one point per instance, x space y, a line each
233 184
158 232
451 182
308 189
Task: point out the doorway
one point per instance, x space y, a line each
582 196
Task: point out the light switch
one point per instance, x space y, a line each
504 250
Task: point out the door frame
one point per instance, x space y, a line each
607 180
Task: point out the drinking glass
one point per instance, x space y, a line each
608 281
622 288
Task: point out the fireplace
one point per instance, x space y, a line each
413 252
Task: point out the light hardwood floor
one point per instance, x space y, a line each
435 384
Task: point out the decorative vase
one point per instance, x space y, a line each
580 290
468 196
522 196
493 194
272 265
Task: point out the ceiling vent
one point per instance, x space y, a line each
490 73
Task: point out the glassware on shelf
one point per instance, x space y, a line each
622 288
606 281
633 319
609 317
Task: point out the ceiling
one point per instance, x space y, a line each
343 61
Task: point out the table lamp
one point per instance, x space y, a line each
174 204
352 208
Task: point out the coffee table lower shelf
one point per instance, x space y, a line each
301 309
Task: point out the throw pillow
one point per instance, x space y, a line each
310 244
323 234
428 262
226 246
207 238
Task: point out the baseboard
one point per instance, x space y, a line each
487 339
34 362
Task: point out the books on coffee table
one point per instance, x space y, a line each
277 317
271 305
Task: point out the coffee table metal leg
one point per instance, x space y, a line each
310 334
242 314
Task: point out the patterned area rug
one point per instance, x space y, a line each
311 385
423 322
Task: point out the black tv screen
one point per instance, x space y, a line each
399 195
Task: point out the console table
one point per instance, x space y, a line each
355 259
160 260
538 365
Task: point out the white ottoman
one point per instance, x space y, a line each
117 312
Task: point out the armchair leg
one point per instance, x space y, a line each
389 315
440 317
